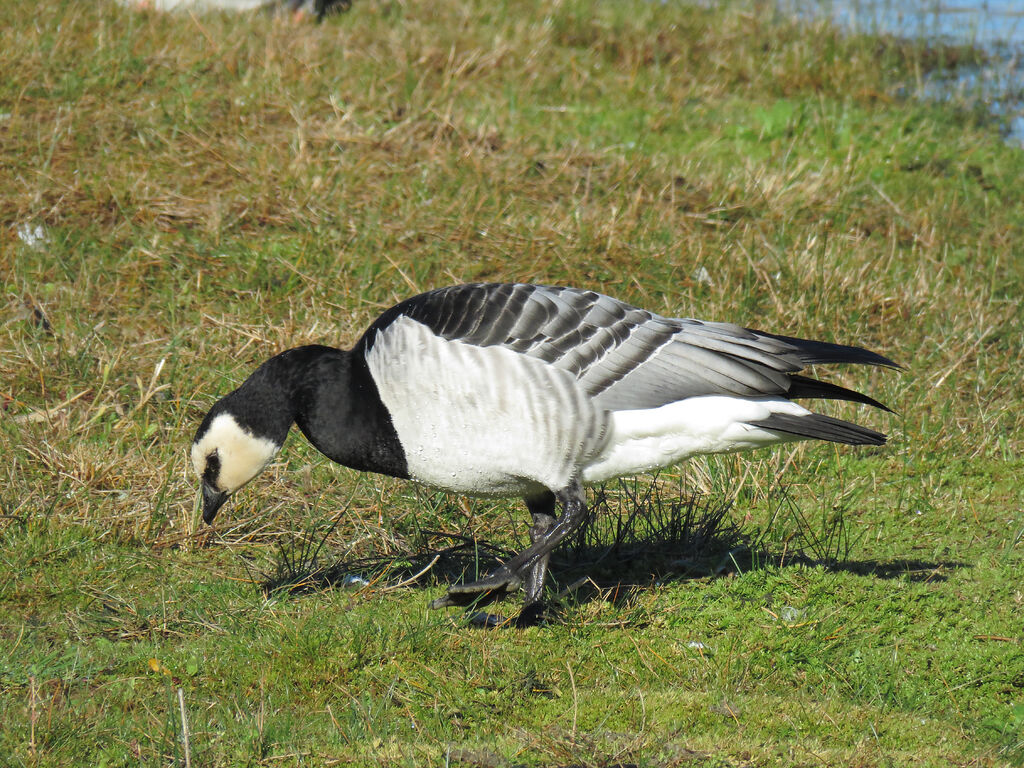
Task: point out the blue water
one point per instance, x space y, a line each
995 26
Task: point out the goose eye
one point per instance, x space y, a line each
212 470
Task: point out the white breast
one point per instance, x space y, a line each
643 440
482 420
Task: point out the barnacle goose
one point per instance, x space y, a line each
528 390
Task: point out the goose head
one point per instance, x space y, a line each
226 455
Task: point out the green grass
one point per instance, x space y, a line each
214 189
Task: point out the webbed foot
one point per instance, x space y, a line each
494 586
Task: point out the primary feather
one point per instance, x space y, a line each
624 357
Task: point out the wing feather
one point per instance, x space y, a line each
625 357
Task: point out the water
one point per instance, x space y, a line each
995 26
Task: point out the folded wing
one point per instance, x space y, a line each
624 357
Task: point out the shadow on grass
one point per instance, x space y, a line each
634 537
909 570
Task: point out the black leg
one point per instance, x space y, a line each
530 564
542 509
574 512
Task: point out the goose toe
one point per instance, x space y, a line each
496 585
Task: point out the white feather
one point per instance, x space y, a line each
644 440
482 420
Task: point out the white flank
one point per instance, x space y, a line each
482 420
644 440
242 455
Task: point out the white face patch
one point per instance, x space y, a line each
242 455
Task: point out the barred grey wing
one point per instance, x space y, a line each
623 356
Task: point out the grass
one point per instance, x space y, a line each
212 189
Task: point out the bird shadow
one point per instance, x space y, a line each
636 536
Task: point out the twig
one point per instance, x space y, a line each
45 415
184 728
414 577
33 716
575 699
408 281
576 585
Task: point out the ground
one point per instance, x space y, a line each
184 195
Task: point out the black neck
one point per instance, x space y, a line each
331 396
265 403
338 408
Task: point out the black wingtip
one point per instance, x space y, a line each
820 427
821 352
806 387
